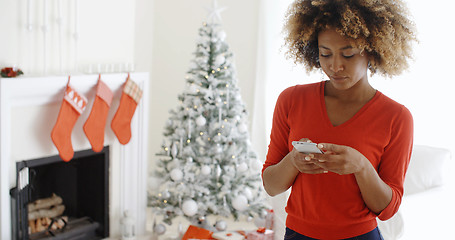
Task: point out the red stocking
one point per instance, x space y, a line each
121 124
94 126
72 106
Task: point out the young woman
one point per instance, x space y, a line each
366 137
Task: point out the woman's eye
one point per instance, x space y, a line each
325 55
348 56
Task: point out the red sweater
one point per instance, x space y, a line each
330 206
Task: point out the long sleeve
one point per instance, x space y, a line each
278 147
395 160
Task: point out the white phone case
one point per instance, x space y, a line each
306 147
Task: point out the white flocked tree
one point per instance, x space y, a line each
206 165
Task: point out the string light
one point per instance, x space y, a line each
164 201
233 156
188 141
213 71
166 149
218 69
219 134
206 76
201 133
222 126
195 107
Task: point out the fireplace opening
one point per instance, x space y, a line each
62 200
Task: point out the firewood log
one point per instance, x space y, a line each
52 212
32 226
42 224
45 203
39 225
61 222
54 226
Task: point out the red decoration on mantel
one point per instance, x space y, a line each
10 72
73 105
121 123
95 124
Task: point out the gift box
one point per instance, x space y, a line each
228 235
260 234
194 232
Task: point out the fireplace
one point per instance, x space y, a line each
29 107
81 185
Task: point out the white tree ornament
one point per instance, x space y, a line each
189 207
205 170
240 203
248 193
200 121
176 174
242 167
243 128
159 229
220 60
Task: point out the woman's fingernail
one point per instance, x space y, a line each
308 141
326 171
321 160
311 155
307 158
320 145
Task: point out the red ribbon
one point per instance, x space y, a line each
261 230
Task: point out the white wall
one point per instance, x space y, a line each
105 35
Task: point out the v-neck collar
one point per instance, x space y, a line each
325 115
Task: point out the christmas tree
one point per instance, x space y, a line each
206 163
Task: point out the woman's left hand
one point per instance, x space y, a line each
339 159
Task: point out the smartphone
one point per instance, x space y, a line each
306 147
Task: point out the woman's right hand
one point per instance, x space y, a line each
303 163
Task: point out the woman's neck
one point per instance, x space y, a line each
362 91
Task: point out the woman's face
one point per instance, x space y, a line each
342 63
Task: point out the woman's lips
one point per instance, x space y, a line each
337 78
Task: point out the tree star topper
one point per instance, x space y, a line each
215 12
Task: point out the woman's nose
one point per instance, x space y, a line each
336 65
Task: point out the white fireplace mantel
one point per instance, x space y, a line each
23 137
